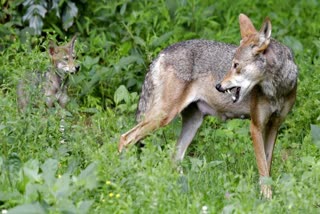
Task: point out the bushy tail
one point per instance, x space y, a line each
146 96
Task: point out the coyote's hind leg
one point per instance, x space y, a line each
147 125
192 119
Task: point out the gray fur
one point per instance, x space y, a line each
281 71
259 76
38 88
49 87
196 58
146 94
190 60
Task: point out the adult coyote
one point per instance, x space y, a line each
259 76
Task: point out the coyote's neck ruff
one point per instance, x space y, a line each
259 76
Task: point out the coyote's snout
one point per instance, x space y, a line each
261 84
50 86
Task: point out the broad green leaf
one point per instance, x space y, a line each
228 208
38 10
33 175
101 74
162 39
49 169
89 61
88 176
28 2
125 61
12 194
139 40
315 133
84 206
123 9
28 14
61 188
69 14
34 16
32 191
31 170
67 206
36 23
121 94
215 163
183 182
2 127
35 208
14 166
308 160
55 6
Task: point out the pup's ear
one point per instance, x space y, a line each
70 45
73 41
246 26
52 47
264 35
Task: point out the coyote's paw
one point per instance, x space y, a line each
266 191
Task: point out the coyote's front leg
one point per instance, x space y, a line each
258 145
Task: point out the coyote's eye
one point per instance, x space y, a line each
235 65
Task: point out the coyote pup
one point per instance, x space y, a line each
49 87
259 76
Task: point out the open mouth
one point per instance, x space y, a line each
234 92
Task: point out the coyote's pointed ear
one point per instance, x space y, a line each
246 26
52 47
264 36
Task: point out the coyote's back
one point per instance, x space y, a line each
188 60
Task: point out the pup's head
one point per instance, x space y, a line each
249 62
63 57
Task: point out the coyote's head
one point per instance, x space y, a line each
63 57
249 62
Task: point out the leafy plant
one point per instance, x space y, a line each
315 133
124 100
79 170
38 10
43 189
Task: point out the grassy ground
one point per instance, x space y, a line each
85 174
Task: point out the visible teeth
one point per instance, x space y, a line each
229 92
234 98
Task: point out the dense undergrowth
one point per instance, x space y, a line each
45 170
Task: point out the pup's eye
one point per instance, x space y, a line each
235 65
252 45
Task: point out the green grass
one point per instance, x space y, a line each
87 175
